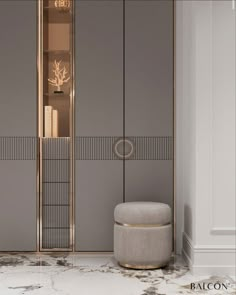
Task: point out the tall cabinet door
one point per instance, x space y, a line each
149 100
99 121
18 131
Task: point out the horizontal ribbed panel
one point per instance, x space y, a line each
152 148
18 148
95 148
56 148
143 148
86 148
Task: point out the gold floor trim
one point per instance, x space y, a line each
134 266
142 225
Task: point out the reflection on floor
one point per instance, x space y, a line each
62 274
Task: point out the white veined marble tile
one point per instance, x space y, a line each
75 274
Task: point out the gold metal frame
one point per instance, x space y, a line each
174 126
72 133
140 267
40 122
40 133
142 224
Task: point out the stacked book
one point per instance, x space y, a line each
50 122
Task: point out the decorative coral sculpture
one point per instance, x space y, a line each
60 76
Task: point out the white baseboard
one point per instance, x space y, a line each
209 259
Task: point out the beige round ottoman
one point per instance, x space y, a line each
142 235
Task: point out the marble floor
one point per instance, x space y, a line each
76 274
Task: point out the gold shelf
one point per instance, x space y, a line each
57 51
58 9
64 55
65 95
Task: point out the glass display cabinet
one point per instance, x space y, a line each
55 124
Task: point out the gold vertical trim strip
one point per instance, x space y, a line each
38 130
40 123
174 126
72 131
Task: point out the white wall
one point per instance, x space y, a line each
205 134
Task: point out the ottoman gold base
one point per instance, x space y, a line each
140 267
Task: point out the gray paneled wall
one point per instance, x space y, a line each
124 87
99 80
18 33
149 94
18 109
149 68
113 99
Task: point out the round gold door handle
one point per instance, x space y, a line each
121 143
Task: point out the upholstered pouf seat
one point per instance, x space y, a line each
142 234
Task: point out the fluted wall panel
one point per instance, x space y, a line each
56 203
18 148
